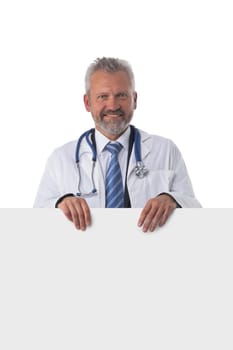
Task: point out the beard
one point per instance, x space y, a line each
115 125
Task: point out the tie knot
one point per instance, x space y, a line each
114 148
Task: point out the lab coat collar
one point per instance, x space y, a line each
101 141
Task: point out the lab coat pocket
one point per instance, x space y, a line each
154 183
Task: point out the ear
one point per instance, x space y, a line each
135 97
86 100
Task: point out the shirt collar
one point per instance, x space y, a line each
102 141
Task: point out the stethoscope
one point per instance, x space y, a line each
135 138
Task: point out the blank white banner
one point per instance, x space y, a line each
113 286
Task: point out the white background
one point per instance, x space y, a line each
181 53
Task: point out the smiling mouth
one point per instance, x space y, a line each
112 115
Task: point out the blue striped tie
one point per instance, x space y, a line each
113 183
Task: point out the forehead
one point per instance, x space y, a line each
108 80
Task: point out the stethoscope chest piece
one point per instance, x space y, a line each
140 170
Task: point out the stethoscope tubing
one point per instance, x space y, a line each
140 169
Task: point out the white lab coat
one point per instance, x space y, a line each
167 173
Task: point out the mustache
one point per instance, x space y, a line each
117 111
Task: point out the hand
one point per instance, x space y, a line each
156 212
76 210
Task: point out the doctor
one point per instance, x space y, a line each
149 170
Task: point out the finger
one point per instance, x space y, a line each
166 215
87 213
81 218
152 220
83 213
144 214
74 210
66 211
157 220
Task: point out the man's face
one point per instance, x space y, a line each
111 102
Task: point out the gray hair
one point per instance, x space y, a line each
110 65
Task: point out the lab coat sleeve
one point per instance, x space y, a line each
181 187
48 191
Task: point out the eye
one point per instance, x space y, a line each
102 97
122 95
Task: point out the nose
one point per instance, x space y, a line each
113 103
